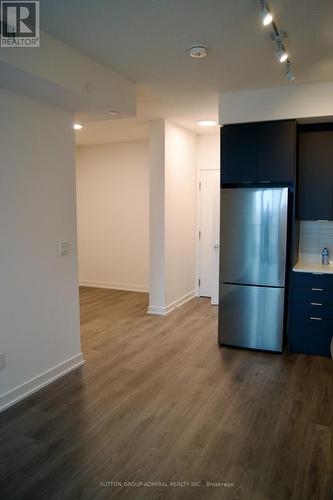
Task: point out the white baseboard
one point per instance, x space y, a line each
35 384
158 310
163 311
127 287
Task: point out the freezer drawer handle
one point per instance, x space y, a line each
316 319
317 289
265 182
316 304
247 182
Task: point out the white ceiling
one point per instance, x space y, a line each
103 132
148 40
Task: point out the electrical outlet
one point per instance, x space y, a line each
2 360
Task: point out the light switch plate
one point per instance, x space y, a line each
63 248
2 360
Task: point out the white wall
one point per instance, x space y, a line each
208 152
172 216
180 213
113 215
39 307
157 292
277 103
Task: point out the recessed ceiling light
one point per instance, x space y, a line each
77 126
198 51
113 113
206 123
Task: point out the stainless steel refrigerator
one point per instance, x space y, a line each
253 267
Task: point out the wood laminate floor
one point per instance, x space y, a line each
158 400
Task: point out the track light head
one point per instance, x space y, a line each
265 13
282 56
281 53
289 72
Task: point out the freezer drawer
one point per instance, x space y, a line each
254 236
251 316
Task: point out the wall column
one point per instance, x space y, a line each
172 157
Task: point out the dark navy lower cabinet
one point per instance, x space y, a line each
311 324
311 335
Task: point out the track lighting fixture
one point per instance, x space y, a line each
265 13
281 53
278 37
289 72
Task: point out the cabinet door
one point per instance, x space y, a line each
239 153
276 151
311 335
316 175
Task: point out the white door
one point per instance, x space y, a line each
209 234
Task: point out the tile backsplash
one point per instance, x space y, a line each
314 236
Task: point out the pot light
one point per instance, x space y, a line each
281 53
265 14
206 123
77 126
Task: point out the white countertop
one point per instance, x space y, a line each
309 267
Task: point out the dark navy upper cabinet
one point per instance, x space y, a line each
239 153
316 173
262 152
276 151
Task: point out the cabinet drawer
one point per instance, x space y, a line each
311 336
312 309
313 280
314 294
